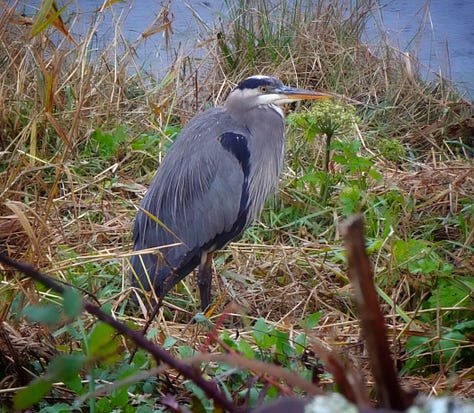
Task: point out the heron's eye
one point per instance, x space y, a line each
263 89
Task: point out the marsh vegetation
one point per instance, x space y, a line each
81 135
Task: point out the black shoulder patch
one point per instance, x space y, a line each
237 145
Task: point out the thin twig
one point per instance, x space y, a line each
157 352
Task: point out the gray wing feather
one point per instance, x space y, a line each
196 193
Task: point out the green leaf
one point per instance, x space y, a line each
416 345
225 337
340 159
31 394
272 392
311 321
350 199
46 313
152 333
406 252
202 319
315 178
119 397
301 342
104 143
262 334
57 408
282 344
245 349
72 303
357 163
450 346
423 266
200 403
149 386
103 405
375 175
145 142
466 327
75 384
186 352
448 293
169 342
144 409
66 367
103 343
120 134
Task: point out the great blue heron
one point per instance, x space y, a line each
212 184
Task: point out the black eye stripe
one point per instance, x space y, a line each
259 82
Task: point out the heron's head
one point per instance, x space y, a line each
265 90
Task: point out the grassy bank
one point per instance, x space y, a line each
82 132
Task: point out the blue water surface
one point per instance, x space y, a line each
439 32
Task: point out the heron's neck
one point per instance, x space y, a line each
277 109
248 115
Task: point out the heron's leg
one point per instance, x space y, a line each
205 280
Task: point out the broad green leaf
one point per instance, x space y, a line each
340 159
350 200
315 177
119 397
169 342
144 409
450 346
448 293
406 251
75 384
47 313
466 327
152 333
301 342
186 352
416 345
262 334
57 408
103 342
245 349
227 339
202 319
282 343
103 405
145 142
31 394
200 401
424 266
66 367
311 321
375 175
72 302
357 163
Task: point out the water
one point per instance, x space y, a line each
439 32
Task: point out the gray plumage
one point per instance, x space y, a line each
212 184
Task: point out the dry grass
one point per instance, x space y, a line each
72 216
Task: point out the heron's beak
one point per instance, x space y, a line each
293 94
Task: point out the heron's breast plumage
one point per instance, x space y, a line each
267 146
